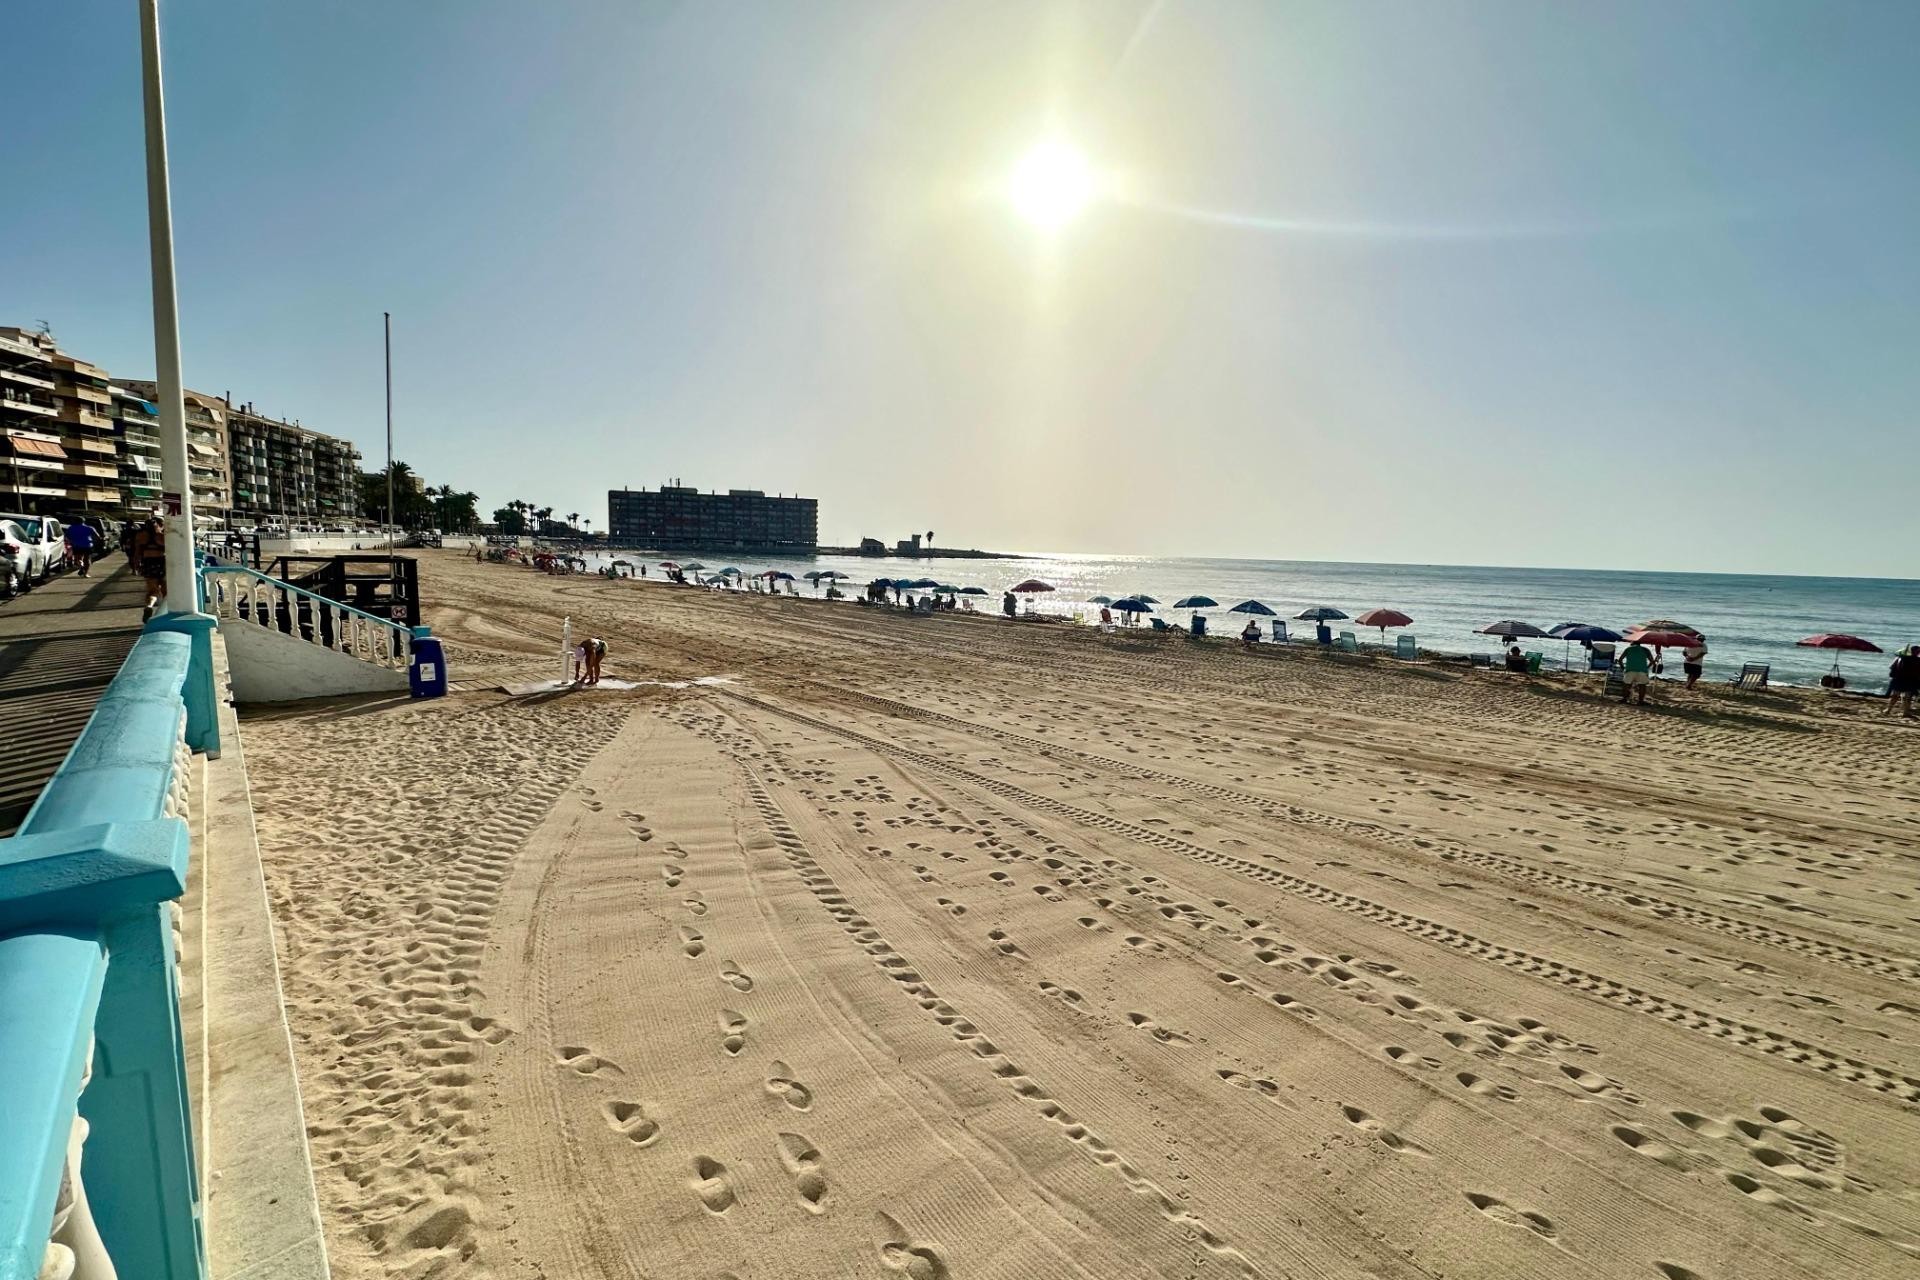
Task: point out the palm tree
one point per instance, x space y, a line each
573 518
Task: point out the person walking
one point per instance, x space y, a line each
148 552
1903 681
1636 666
1693 661
80 544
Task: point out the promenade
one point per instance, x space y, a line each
60 646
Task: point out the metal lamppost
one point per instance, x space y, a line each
183 581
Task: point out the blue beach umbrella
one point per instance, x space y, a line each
1196 602
1133 604
1143 597
1583 632
1100 600
729 572
973 591
1253 607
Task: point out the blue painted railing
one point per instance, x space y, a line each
87 973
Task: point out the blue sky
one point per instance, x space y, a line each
1618 285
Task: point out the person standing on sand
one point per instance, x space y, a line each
1903 681
596 653
1693 661
1006 604
1636 666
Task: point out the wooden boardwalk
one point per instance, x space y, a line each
60 646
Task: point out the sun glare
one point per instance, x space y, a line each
1051 184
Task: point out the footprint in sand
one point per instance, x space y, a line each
802 1159
691 942
631 1121
583 1060
1004 945
694 905
1485 1088
919 1259
733 1031
1502 1212
731 975
1160 1033
781 1084
952 907
712 1184
1387 1137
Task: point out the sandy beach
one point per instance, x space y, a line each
959 949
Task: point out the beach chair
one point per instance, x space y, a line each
1406 647
1280 631
1753 675
1346 643
1533 662
1481 661
1616 685
1601 659
1160 624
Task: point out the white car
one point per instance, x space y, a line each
31 548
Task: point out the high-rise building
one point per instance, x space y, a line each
207 467
285 471
138 422
682 518
62 452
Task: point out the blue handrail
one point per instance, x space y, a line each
87 962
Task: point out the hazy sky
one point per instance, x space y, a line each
1630 285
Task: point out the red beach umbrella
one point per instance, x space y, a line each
1032 584
1839 644
1834 640
1383 618
1665 639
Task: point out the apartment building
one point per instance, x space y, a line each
61 452
208 471
286 472
138 422
682 518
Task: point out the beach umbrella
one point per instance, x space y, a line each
973 591
923 584
779 575
1101 600
1193 602
1133 604
729 572
1508 629
1585 633
1668 624
693 564
835 574
1665 639
669 564
814 576
1253 607
1143 596
1839 644
1383 618
1318 613
1031 584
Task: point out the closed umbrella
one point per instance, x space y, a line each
1383 618
1840 644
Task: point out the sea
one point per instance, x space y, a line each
1744 617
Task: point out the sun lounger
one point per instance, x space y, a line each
1405 647
1346 643
1753 675
1279 631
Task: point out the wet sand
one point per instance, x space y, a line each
952 947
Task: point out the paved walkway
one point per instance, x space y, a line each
61 644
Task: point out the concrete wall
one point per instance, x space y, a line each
271 666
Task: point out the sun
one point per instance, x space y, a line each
1052 184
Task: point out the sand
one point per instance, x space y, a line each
951 947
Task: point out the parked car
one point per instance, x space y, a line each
32 549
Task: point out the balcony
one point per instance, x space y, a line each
92 470
25 379
90 444
93 395
8 400
84 417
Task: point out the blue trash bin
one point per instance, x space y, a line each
427 673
